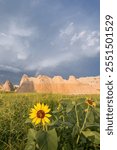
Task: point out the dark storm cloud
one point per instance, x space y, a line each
49 36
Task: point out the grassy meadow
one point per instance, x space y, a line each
74 124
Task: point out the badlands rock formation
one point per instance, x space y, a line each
45 84
7 86
1 87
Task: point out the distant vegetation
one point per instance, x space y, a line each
15 125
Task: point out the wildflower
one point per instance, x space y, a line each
39 114
59 106
90 102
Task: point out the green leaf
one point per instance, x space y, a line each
93 126
66 124
69 107
97 110
32 134
92 136
97 137
67 146
47 140
55 111
55 123
41 139
52 140
91 117
30 145
75 131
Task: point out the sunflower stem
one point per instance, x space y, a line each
77 117
43 128
85 119
46 127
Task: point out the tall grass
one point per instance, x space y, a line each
14 110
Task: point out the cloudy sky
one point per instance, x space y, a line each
53 37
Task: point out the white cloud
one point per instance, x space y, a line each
77 36
80 43
22 56
56 60
93 38
69 45
67 31
11 44
16 30
50 62
14 41
9 68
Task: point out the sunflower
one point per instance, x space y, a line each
59 106
90 102
39 114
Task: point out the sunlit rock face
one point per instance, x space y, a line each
73 85
8 86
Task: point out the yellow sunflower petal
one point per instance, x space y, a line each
32 115
38 106
46 119
34 120
48 115
47 110
94 104
37 121
33 110
42 106
45 107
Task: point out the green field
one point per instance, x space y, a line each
72 127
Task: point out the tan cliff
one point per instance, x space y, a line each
73 85
7 86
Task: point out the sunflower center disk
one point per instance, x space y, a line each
40 114
90 102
